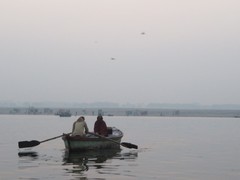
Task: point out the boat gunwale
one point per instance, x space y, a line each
92 137
81 138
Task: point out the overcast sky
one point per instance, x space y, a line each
136 51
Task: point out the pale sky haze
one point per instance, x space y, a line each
136 51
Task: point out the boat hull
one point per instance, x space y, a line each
91 142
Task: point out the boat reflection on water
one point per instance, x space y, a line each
79 164
83 161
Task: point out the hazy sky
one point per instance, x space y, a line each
136 51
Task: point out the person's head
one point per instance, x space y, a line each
99 118
80 119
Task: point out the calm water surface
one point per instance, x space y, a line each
170 148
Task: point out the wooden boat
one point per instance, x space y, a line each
93 142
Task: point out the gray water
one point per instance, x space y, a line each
170 148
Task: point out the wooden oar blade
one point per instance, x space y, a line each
25 144
129 145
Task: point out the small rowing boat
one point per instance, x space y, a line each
92 141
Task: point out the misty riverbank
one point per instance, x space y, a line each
123 112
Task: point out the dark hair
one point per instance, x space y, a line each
82 117
99 118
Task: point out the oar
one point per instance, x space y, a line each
124 144
25 144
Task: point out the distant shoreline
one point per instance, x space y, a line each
158 112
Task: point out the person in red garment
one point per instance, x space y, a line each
100 127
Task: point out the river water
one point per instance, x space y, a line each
170 148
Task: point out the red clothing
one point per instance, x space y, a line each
100 127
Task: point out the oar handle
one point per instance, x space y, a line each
103 137
55 137
124 144
24 144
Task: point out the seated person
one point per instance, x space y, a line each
100 127
80 127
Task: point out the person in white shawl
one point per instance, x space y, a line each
80 127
